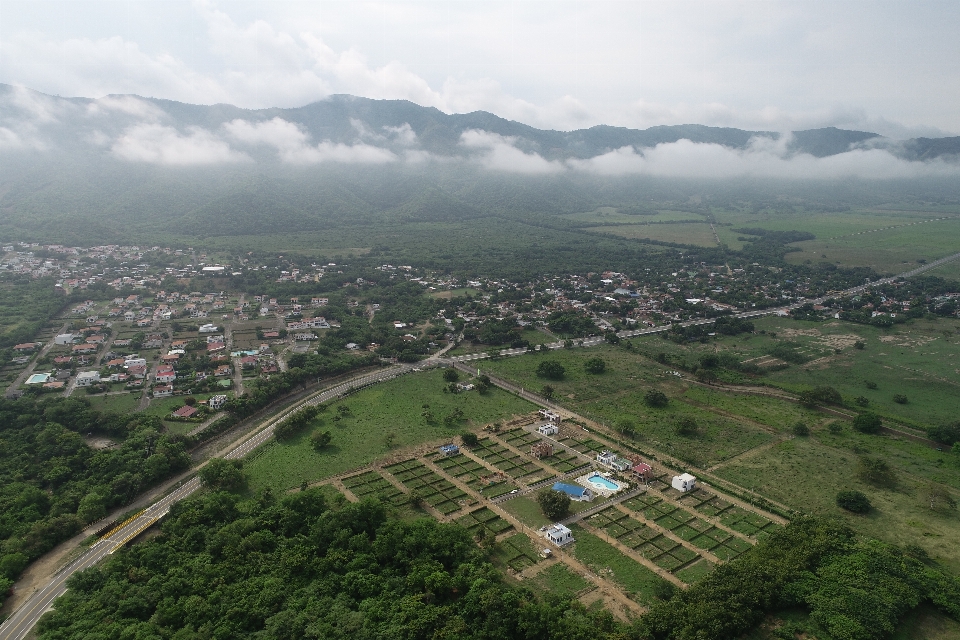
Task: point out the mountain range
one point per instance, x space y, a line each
81 123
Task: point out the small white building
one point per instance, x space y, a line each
558 535
134 361
216 402
684 482
209 328
64 338
548 429
87 378
552 416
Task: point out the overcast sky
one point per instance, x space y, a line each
890 67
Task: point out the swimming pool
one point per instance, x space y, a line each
38 378
604 483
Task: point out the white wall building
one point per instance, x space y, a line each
684 482
558 535
87 378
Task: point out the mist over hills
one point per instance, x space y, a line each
123 167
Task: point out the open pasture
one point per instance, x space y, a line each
391 408
807 473
695 233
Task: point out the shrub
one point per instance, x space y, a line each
870 384
451 375
469 439
899 398
551 370
861 401
547 391
223 474
320 439
801 429
867 423
595 366
876 471
835 428
821 395
685 426
945 433
554 504
656 399
853 501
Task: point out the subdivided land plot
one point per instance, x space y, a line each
647 542
582 443
371 484
484 518
439 493
476 476
505 460
746 522
516 552
686 526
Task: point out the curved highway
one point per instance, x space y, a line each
18 625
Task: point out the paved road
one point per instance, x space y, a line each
23 619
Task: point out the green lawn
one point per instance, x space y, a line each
560 580
124 403
608 562
527 511
392 407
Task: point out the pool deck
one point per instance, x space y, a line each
599 488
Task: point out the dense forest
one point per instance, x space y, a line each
228 566
52 483
295 567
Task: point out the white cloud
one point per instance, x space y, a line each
774 66
127 105
292 144
404 134
343 153
499 153
10 140
277 133
156 144
764 158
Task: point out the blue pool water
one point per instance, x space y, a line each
603 482
38 378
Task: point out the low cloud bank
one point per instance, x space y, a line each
137 130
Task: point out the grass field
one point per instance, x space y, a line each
697 233
121 403
609 215
559 580
392 407
920 359
608 562
892 249
807 473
